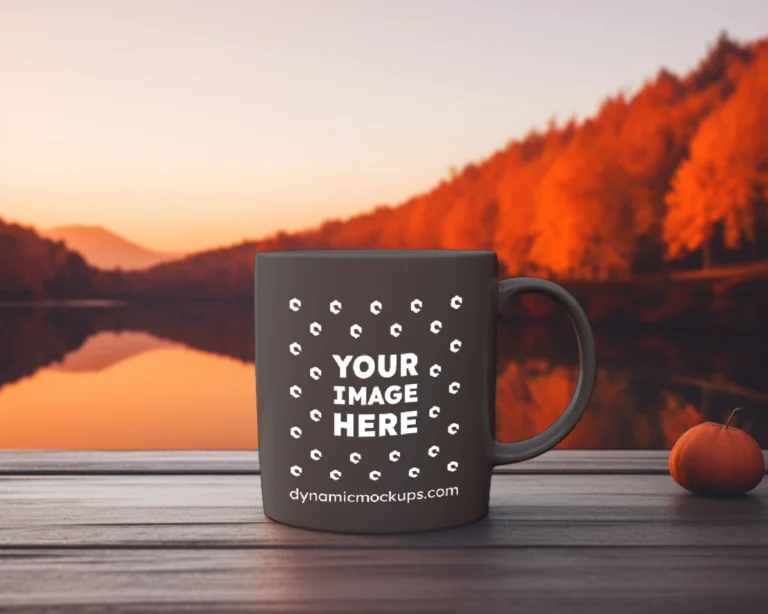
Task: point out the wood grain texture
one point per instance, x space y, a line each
572 580
200 543
97 462
208 512
246 462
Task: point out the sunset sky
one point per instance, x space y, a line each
188 124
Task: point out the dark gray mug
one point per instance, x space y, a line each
375 382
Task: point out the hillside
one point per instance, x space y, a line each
32 267
671 178
106 250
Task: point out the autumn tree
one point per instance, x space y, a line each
32 267
526 163
725 179
469 214
584 222
583 200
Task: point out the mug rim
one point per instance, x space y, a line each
392 252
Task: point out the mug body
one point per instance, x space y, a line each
375 382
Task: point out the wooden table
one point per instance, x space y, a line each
184 532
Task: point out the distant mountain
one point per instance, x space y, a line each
672 177
106 250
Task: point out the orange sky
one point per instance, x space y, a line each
185 125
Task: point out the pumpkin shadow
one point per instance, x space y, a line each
689 507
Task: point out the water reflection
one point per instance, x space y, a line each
132 391
181 376
106 349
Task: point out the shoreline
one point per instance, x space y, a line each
61 303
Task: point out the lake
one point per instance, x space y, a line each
181 376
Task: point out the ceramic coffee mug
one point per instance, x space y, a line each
375 380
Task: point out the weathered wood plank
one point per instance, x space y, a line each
195 462
119 462
215 512
573 580
170 543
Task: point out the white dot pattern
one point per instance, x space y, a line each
356 331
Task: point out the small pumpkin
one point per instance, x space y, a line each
717 460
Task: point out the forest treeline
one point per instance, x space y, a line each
32 267
674 176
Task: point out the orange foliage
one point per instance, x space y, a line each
514 233
647 178
725 180
581 220
582 201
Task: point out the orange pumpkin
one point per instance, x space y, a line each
717 460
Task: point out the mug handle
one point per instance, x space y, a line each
506 453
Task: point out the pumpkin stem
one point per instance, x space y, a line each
733 413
